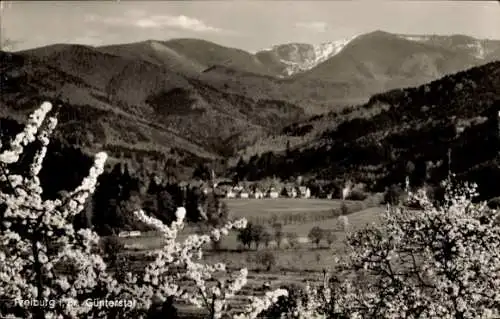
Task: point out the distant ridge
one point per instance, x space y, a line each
194 100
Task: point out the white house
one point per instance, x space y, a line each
291 192
244 193
230 193
134 233
273 193
346 191
258 194
305 192
134 246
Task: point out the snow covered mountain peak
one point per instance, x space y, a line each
292 58
300 57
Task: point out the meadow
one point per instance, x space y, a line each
308 212
293 265
251 208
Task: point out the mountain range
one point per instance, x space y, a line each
195 100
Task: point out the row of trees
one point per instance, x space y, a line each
318 234
260 235
256 234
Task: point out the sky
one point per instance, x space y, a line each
248 25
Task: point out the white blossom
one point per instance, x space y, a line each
43 257
439 262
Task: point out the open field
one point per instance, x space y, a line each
231 249
294 210
248 207
304 263
356 220
267 207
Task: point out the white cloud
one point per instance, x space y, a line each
89 38
181 22
317 26
140 20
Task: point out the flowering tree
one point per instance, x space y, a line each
176 262
56 270
38 241
437 262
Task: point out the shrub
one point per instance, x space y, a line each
278 233
344 210
330 237
494 203
266 238
257 234
315 235
293 239
245 236
112 247
393 195
164 309
357 195
216 245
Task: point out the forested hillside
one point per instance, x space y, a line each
404 131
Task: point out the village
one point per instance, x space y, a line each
255 192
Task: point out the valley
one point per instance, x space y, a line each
268 159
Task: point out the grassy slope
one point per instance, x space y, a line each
267 207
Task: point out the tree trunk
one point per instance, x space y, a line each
39 313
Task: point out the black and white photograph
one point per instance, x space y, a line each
250 159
